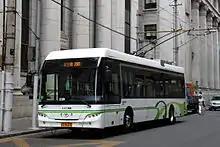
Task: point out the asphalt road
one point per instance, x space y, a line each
190 131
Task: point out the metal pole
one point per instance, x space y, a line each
4 32
2 101
36 76
176 53
3 72
9 63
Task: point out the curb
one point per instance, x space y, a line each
24 133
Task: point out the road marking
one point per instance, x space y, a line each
37 139
5 140
106 143
100 143
73 145
13 138
20 142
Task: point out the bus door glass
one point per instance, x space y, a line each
112 92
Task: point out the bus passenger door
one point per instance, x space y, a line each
112 94
112 115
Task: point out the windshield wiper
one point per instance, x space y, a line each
43 104
86 103
82 101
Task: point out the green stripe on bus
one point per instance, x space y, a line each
160 111
93 111
71 111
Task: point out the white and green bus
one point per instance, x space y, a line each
100 88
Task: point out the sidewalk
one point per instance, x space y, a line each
21 127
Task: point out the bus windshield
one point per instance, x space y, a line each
70 85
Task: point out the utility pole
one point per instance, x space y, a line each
36 76
9 62
3 72
175 27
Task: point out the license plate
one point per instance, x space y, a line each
66 124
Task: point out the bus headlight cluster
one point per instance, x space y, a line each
42 114
92 115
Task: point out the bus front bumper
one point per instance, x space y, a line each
85 123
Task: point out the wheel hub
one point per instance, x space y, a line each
128 121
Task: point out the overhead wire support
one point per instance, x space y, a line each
175 41
143 53
150 42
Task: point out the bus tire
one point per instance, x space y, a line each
172 118
128 121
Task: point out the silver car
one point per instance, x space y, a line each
215 103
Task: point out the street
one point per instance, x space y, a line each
190 131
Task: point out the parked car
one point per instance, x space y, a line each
215 103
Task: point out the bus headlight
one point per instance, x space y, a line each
42 114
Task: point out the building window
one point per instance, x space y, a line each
150 31
149 4
25 35
127 26
62 16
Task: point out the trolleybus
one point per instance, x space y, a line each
101 88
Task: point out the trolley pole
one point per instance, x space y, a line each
9 63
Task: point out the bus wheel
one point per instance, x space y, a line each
128 121
172 118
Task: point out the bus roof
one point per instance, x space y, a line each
110 53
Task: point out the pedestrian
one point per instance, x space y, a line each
201 103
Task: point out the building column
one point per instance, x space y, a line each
203 46
81 26
104 16
216 56
210 55
50 28
50 32
17 62
195 44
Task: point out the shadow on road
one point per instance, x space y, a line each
111 132
191 113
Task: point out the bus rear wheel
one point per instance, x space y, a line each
128 121
172 118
